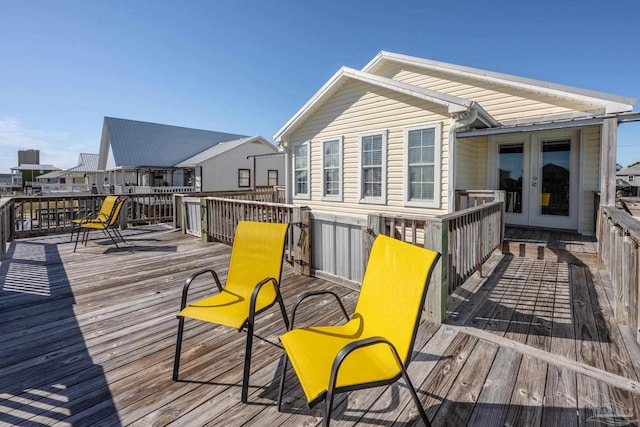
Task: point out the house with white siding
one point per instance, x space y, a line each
403 134
630 177
150 157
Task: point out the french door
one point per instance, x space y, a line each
539 173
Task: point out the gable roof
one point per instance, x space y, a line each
222 147
612 103
633 170
454 104
134 143
86 163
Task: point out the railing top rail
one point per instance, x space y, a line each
445 217
251 202
622 219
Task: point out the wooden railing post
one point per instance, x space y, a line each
629 274
616 272
436 237
204 220
302 241
375 226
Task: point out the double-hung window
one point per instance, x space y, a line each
373 167
272 177
332 169
244 178
301 182
422 165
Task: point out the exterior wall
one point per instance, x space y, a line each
472 164
358 108
502 102
590 165
221 172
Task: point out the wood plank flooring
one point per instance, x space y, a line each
88 338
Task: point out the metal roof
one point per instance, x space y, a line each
134 143
221 148
87 162
633 170
30 167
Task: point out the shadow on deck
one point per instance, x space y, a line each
89 339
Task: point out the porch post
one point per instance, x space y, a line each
608 146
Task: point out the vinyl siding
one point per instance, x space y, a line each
359 108
472 164
590 178
503 102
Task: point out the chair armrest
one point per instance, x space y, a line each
355 345
185 289
254 295
312 294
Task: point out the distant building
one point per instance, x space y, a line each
140 156
25 175
630 177
81 178
28 157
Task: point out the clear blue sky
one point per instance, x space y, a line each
247 66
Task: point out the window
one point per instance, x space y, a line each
301 170
244 178
332 169
631 178
422 165
373 168
272 177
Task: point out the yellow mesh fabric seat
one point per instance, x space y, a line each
108 225
105 210
374 346
252 286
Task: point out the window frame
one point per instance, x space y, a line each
334 197
240 170
382 199
307 195
437 167
269 177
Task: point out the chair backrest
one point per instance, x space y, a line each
115 212
258 249
107 207
393 292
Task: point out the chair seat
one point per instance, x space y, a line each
227 308
312 351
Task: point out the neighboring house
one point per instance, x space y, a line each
80 178
404 133
5 182
630 178
149 155
26 175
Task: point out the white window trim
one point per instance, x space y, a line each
307 195
332 197
437 178
382 200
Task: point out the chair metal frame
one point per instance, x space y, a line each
249 323
93 216
328 395
104 225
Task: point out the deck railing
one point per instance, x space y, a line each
618 241
471 198
465 239
6 225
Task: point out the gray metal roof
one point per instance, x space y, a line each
633 170
32 167
136 143
222 148
86 163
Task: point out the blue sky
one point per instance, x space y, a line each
247 66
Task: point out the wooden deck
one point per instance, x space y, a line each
87 338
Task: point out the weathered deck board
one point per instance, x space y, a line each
530 342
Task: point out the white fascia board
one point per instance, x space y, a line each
612 103
454 104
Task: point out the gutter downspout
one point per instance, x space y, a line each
283 146
457 122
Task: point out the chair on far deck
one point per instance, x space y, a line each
252 286
103 214
108 225
374 347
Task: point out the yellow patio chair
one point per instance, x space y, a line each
374 347
102 215
106 224
252 286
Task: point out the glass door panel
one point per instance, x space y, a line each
555 177
511 169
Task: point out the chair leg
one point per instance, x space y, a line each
282 309
282 380
414 395
247 362
77 238
176 360
328 407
